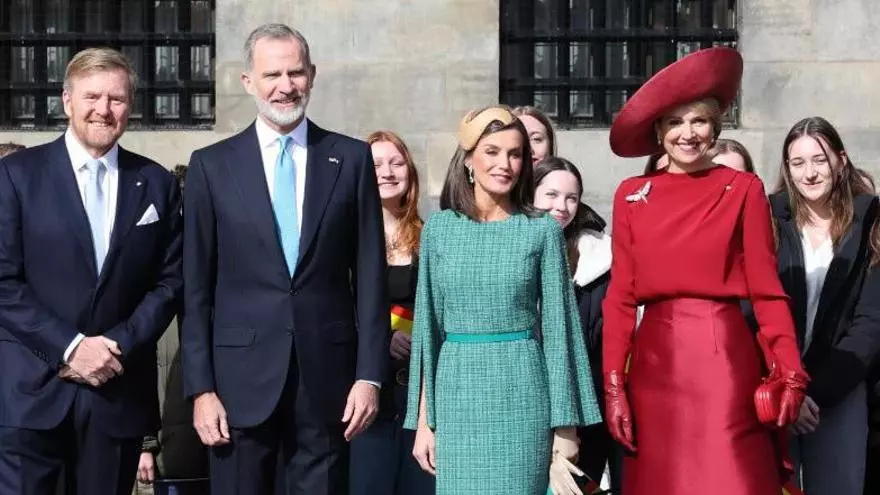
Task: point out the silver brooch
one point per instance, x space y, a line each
641 194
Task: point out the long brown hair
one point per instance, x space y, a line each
410 229
846 182
543 119
458 192
733 146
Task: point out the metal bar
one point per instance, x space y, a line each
73 38
41 107
706 19
563 62
184 63
616 35
581 83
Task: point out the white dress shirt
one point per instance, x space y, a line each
268 140
270 148
79 157
816 263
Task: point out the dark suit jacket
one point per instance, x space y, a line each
50 290
846 330
244 313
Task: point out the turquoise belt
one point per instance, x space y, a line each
480 338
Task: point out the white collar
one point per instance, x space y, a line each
594 256
79 157
267 136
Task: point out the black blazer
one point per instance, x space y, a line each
846 330
50 289
589 299
244 313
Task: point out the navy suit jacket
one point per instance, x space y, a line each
244 313
50 288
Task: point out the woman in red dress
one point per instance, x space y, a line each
689 242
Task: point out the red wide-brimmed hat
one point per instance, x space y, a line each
710 73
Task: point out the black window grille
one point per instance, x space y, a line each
170 42
579 60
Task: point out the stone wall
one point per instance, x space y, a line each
416 66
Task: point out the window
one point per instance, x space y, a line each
579 60
170 43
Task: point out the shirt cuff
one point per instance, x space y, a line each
375 384
70 348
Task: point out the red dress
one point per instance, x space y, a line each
689 247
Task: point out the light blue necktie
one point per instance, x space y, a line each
95 209
284 204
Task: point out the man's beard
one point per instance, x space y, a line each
282 118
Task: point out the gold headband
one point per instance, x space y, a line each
469 131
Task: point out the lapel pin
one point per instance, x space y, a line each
138 183
333 159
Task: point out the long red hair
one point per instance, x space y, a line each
411 223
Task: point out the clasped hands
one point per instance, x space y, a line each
93 362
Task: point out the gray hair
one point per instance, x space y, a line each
275 31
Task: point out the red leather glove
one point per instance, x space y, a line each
617 412
792 397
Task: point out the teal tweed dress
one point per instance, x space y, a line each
493 396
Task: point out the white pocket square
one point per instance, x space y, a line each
149 216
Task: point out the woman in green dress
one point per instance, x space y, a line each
497 345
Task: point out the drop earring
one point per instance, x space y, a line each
470 174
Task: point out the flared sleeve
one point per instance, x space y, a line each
769 299
619 306
572 395
426 335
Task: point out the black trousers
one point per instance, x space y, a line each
382 462
294 452
31 461
597 449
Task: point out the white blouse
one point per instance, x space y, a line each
816 263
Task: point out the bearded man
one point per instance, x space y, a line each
285 329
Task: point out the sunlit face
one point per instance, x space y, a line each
731 159
812 172
687 133
559 194
280 81
539 137
497 162
98 105
392 174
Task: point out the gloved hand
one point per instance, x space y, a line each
617 411
562 473
792 397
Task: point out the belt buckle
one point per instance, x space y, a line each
402 377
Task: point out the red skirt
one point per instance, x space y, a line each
694 371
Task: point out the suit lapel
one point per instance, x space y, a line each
852 247
70 200
246 169
130 194
322 170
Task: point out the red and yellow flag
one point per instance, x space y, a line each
790 489
401 319
591 488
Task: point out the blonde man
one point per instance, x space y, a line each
90 252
